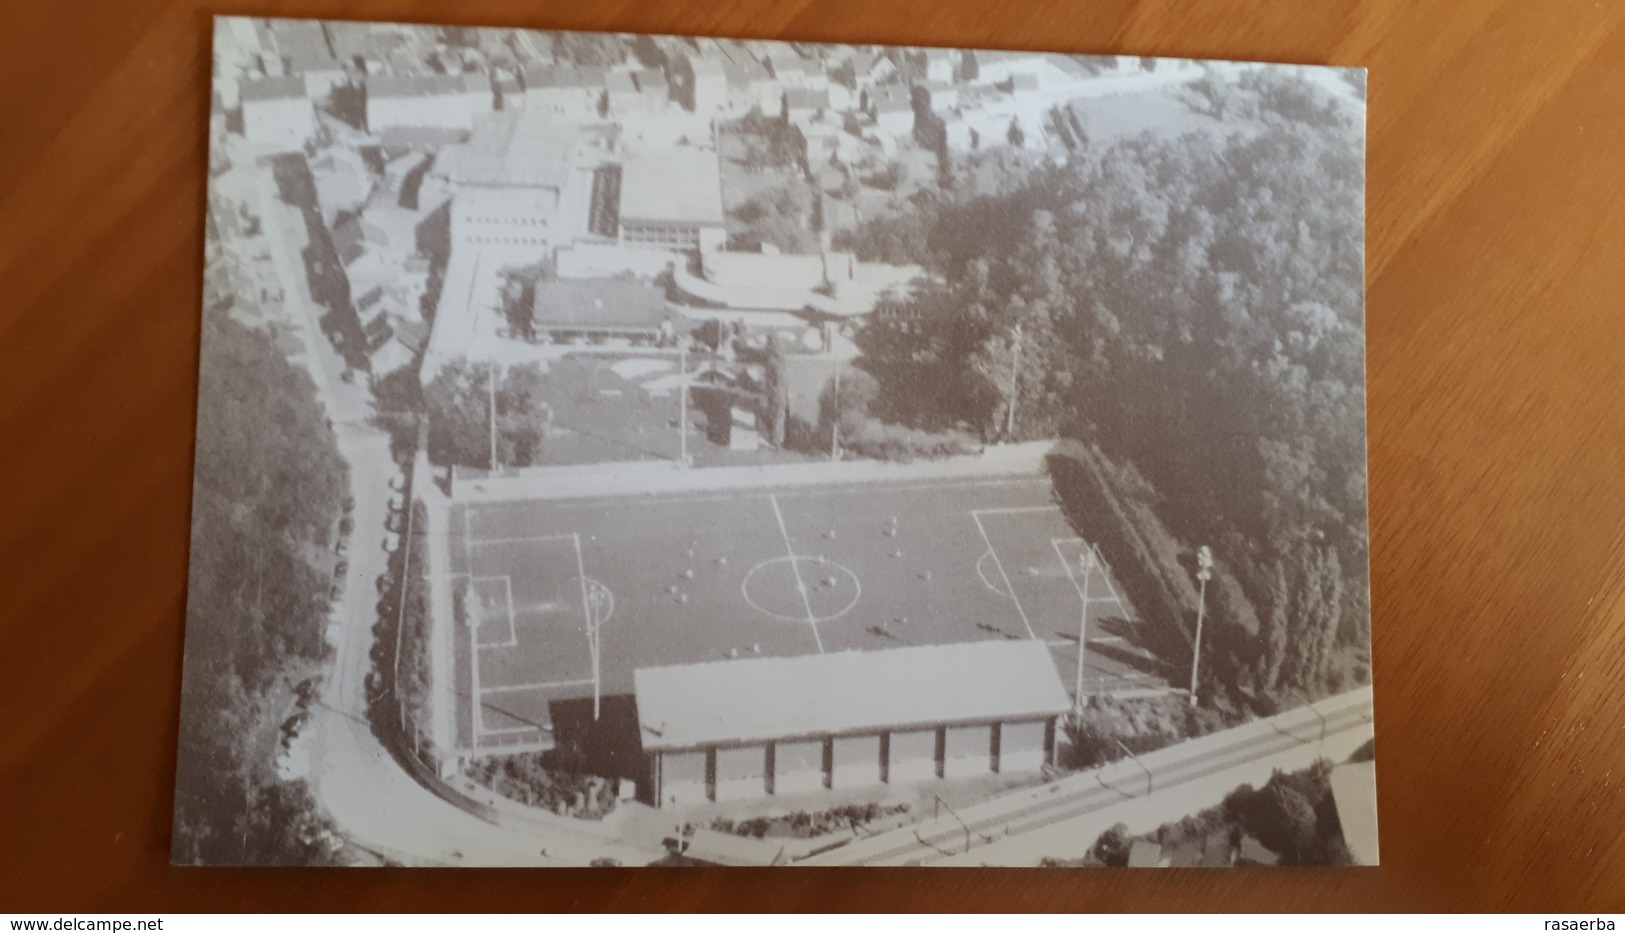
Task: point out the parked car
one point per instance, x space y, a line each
397 503
349 504
346 525
340 569
342 546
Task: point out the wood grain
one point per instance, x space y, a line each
1497 411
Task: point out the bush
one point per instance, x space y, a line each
1113 846
806 825
877 440
1108 725
537 779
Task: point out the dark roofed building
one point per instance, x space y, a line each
426 85
598 308
284 88
748 728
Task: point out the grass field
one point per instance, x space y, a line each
684 579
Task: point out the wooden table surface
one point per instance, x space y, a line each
1497 412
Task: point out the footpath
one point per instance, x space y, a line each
652 477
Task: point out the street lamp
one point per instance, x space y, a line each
1204 573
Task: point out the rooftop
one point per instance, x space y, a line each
851 691
798 98
592 304
272 89
680 185
1354 791
514 148
702 64
564 76
390 86
299 38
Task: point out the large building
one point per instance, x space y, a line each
508 177
447 101
672 198
598 308
770 726
276 113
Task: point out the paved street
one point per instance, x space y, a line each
1063 818
374 802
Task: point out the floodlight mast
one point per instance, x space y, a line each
1204 572
595 606
1086 562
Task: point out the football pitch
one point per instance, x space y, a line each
681 579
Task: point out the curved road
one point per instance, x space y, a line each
371 799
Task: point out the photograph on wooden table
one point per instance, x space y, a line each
627 450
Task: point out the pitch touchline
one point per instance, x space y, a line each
486 542
593 502
1006 577
801 586
544 685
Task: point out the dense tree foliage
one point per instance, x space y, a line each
1194 307
459 403
268 486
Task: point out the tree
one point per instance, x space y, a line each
844 408
459 407
268 485
457 403
523 415
1275 635
776 396
1195 306
1112 848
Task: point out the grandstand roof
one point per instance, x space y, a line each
764 699
511 148
680 185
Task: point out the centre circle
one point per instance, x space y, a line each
802 589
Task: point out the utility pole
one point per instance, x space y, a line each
1204 572
835 416
492 386
1015 367
1087 562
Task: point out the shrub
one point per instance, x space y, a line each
880 441
536 779
1113 846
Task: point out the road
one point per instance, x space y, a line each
1064 817
369 796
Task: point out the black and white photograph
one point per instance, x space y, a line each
625 450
